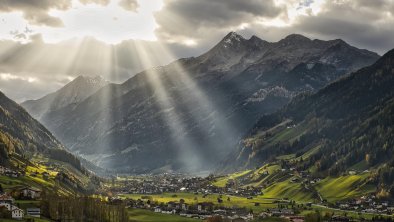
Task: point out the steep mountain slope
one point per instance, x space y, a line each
188 114
74 92
27 146
20 133
348 125
23 136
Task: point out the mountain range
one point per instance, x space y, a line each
346 126
191 113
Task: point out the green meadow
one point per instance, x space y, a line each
139 215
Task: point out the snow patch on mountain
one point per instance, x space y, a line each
276 91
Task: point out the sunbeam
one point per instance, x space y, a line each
187 152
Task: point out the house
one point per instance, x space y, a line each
32 193
287 212
275 212
352 172
220 212
6 205
206 206
34 212
17 213
157 210
6 201
2 170
11 173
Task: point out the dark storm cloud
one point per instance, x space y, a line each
36 11
364 23
129 5
195 19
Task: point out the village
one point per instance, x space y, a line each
149 185
8 204
214 200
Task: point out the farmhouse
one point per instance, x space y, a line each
29 192
17 213
6 201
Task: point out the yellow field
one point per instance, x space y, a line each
191 198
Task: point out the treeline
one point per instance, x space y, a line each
81 209
65 156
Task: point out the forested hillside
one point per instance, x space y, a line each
346 126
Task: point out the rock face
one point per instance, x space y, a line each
189 114
73 93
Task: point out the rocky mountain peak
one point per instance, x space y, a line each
232 39
233 36
295 39
90 80
73 92
256 41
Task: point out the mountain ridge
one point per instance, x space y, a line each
72 93
22 134
205 96
345 124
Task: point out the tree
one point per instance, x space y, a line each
4 213
368 159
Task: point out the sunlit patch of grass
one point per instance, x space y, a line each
286 157
191 198
344 187
309 153
290 190
221 182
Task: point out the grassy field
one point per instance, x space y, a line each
286 157
290 190
271 219
25 219
149 216
221 182
34 176
258 177
344 187
309 153
289 134
191 198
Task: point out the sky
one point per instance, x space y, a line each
44 44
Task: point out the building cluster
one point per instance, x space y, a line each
164 183
201 210
367 204
7 203
9 172
173 183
